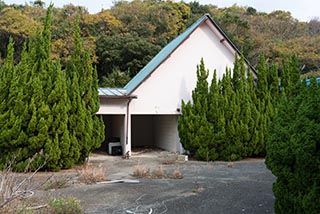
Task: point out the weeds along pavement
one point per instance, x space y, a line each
155 182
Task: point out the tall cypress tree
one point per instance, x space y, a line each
293 153
194 129
216 113
226 93
262 78
264 103
6 74
186 127
59 105
231 116
273 80
83 79
290 75
204 130
76 123
45 110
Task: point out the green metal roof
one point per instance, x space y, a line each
110 92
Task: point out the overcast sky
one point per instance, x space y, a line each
304 10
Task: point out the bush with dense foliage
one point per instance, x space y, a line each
293 151
229 119
222 121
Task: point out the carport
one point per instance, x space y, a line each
159 131
114 108
136 130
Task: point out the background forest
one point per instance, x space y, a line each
123 39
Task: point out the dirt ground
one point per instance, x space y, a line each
166 185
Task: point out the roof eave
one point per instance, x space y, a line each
127 97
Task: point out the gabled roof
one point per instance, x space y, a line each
168 49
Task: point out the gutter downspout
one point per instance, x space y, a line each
127 120
127 124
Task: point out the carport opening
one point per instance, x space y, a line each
142 131
114 131
154 131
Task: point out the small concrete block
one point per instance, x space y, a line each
182 158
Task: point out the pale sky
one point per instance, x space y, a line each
304 10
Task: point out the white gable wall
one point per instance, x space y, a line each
175 78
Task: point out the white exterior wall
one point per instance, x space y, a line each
175 78
112 106
166 133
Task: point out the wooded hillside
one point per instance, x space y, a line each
124 38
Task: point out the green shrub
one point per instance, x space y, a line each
293 152
65 205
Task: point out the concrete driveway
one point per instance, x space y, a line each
214 187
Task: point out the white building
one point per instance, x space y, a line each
145 112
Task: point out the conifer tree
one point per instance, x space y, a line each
239 121
232 116
290 75
41 129
6 72
194 129
264 104
14 115
46 111
186 127
273 82
293 153
59 104
262 78
256 147
76 123
226 93
215 114
83 80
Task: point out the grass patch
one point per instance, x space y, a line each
141 172
90 174
57 183
158 173
64 205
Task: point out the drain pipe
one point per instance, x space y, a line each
127 123
127 120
